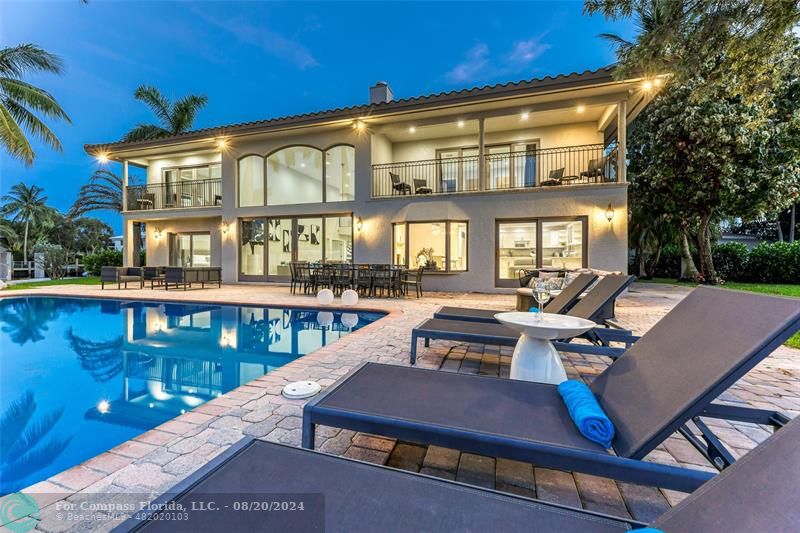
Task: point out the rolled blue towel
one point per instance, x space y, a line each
587 414
534 309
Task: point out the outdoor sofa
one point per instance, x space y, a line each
597 299
120 276
667 379
758 493
186 276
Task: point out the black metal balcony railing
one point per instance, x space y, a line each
185 194
569 165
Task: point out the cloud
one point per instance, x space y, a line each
475 61
270 41
479 64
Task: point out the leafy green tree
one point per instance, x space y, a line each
734 40
174 118
20 101
699 161
27 205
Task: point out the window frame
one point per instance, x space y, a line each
584 219
447 243
265 158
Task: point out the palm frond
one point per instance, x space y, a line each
156 101
32 124
18 60
35 433
33 97
145 132
21 467
184 112
15 418
13 138
616 40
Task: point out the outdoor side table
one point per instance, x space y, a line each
535 358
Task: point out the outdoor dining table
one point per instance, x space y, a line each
535 358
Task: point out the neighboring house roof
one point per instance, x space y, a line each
473 95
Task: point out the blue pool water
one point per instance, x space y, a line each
80 376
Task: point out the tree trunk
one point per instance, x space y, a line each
25 242
641 262
780 230
704 249
792 222
654 264
688 268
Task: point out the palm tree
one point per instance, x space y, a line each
103 192
19 100
174 118
26 205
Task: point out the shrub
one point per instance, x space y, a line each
774 262
53 259
92 263
669 264
730 260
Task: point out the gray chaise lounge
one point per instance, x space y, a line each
667 379
758 493
606 290
559 305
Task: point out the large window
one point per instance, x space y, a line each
294 176
251 181
340 162
190 249
528 244
438 246
269 245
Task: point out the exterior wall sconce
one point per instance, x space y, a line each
226 227
359 224
157 234
609 213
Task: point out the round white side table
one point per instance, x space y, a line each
535 358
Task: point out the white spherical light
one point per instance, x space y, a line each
325 297
349 297
325 318
349 320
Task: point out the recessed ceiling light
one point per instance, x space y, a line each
657 82
412 129
525 115
580 108
647 85
460 123
102 158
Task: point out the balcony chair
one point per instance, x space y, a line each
668 379
421 187
399 186
120 276
590 307
596 170
555 177
147 201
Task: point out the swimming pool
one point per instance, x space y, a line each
80 376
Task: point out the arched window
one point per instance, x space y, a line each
251 181
339 173
295 176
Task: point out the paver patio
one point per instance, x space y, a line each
158 459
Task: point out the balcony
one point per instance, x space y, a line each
513 170
181 195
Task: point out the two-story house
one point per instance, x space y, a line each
475 184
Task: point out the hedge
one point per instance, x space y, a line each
94 262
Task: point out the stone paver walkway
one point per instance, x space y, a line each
156 460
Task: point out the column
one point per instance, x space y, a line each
124 184
229 257
622 135
481 153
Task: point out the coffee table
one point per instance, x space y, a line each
535 358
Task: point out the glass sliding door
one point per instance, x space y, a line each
190 249
516 250
268 246
253 258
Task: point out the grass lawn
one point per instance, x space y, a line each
766 288
89 280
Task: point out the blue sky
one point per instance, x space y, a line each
257 60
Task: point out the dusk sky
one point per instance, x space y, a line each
256 60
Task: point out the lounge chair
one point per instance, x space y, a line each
758 493
554 177
399 186
595 171
560 304
606 290
421 187
668 378
120 276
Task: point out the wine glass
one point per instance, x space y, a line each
542 295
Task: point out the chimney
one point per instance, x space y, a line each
380 93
